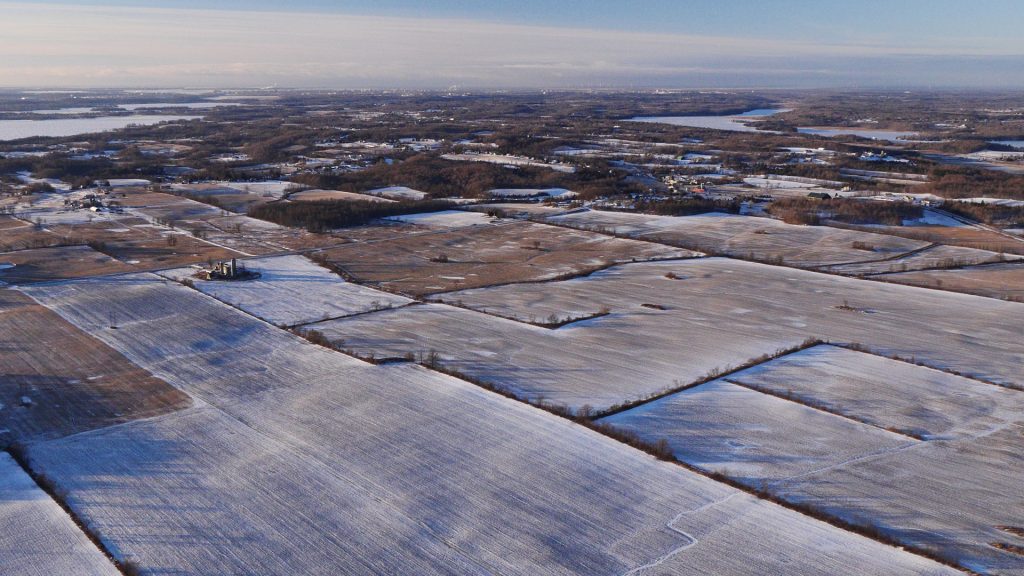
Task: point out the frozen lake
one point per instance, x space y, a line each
189 105
733 123
1012 143
59 127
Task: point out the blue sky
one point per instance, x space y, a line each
527 43
921 20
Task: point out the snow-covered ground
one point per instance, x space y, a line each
560 193
722 312
838 456
508 160
37 538
747 236
949 496
268 188
292 290
299 459
937 256
751 436
888 393
444 219
718 313
933 218
398 193
994 201
127 182
57 183
790 182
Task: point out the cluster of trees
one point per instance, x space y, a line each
688 206
812 211
321 216
959 182
996 214
442 178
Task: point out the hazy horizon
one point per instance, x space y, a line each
531 45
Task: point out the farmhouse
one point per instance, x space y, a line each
228 270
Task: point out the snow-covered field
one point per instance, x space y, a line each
949 496
933 218
790 182
993 201
398 193
292 290
937 256
914 490
1004 281
561 193
298 459
747 236
508 160
444 219
128 182
722 312
37 538
430 260
269 188
888 393
752 436
600 362
719 313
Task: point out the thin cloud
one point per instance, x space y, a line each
52 45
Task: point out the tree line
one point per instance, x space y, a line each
323 215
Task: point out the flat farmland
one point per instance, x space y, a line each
594 363
233 196
747 237
180 209
56 380
17 234
719 304
968 236
483 255
753 437
444 219
187 338
262 237
950 496
1003 281
936 256
417 470
219 228
292 290
37 537
60 262
837 457
140 243
887 393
